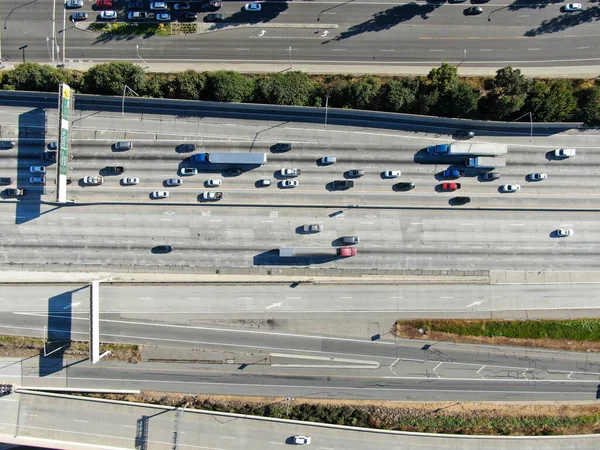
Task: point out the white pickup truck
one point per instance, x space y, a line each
564 152
290 172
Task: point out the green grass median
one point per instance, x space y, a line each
127 29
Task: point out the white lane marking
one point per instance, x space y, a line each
144 298
566 224
338 49
245 298
68 218
345 297
29 415
216 220
486 50
169 213
367 223
371 216
466 224
82 421
517 224
388 50
6 399
533 49
117 218
226 437
274 305
446 297
395 297
279 443
266 221
435 50
293 298
580 48
242 49
475 303
166 220
416 223
129 426
523 15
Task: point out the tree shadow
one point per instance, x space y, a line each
566 21
268 12
532 4
387 19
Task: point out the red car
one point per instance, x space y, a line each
104 4
450 186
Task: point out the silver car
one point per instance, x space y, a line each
510 188
185 171
123 146
174 182
160 194
312 228
130 181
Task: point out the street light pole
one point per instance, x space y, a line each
137 49
125 88
48 48
291 67
326 106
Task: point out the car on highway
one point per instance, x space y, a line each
93 180
537 176
50 156
181 6
489 176
349 240
460 200
312 228
5 180
52 146
326 160
342 184
301 440
213 18
289 183
130 181
72 4
452 173
189 17
6 145
135 5
406 186
160 194
174 182
163 17
391 174
450 186
510 188
186 171
290 172
214 182
212 196
355 173
564 232
263 183
113 170
37 169
162 249
464 134
233 172
14 192
572 7
123 145
564 152
282 147
186 147
473 11
253 7
78 17
158 6
37 180
108 15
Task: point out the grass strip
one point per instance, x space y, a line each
125 29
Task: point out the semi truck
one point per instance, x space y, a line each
467 149
256 159
485 162
288 252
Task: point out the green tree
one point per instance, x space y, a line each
400 95
552 101
460 101
228 86
363 93
443 78
158 86
290 88
111 78
189 85
509 93
589 105
337 88
34 77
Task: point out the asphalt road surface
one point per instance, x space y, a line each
517 33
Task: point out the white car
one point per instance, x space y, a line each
37 169
264 182
174 182
74 4
188 171
564 232
289 183
212 196
94 181
108 15
213 182
253 7
301 440
510 188
572 7
164 17
182 6
130 181
537 176
391 174
158 6
160 194
289 172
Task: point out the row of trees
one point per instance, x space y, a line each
507 96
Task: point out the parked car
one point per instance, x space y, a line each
355 173
464 134
211 5
510 188
564 232
108 15
160 194
214 18
289 183
72 4
391 174
214 182
186 147
174 182
212 196
93 180
186 171
37 169
123 145
135 5
78 16
158 6
104 4
489 176
37 180
162 249
6 145
164 17
253 7
181 6
537 176
312 228
189 17
14 192
404 186
137 15
130 181
264 182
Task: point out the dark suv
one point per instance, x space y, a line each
113 170
214 18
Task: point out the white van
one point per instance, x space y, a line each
328 160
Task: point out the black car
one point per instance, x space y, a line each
460 200
78 16
214 18
489 176
211 5
162 249
473 11
6 145
135 5
6 180
404 186
281 147
233 172
50 156
14 192
114 170
464 134
189 17
186 147
53 145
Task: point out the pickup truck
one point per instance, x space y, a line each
290 172
14 192
453 173
343 184
212 196
564 152
450 186
114 170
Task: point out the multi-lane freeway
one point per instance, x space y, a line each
368 32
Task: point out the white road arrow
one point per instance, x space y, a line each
325 33
476 303
262 33
274 305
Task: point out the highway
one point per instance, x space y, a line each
378 33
